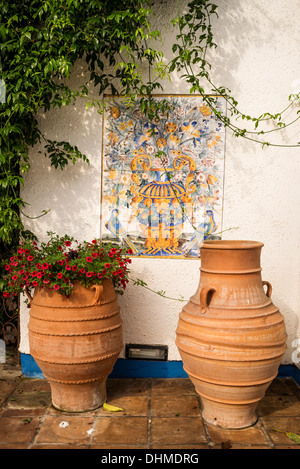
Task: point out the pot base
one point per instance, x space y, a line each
82 397
228 416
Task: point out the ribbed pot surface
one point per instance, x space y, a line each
76 342
230 336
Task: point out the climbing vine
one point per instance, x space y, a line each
42 39
194 40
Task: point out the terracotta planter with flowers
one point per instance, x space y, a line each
75 328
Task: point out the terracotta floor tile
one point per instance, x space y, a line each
18 430
175 406
118 447
8 411
6 388
127 387
59 446
121 430
250 446
33 385
29 400
283 387
287 447
172 386
276 427
281 405
14 446
177 431
75 433
131 405
246 436
175 447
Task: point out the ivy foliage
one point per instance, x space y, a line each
40 40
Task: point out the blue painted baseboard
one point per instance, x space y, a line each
122 369
145 369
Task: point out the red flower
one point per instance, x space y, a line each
89 259
34 283
68 267
6 294
94 241
34 273
68 243
60 262
74 268
82 271
89 274
56 287
59 275
99 275
45 281
30 258
129 251
107 265
45 266
60 248
40 274
7 267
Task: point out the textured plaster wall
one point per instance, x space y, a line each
258 59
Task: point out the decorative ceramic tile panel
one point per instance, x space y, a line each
162 204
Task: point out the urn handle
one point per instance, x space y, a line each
98 294
28 295
205 297
269 288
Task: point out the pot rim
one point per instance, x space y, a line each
231 244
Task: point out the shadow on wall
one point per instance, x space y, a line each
72 194
234 30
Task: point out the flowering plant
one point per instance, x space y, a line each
56 264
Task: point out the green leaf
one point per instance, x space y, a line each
293 436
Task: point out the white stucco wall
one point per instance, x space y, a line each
258 59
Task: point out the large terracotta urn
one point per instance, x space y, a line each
230 335
76 342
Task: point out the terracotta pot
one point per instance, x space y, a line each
230 335
76 342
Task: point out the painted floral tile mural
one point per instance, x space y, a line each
162 181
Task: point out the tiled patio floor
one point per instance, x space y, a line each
157 414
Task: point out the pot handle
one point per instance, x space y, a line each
269 288
98 294
28 295
205 297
